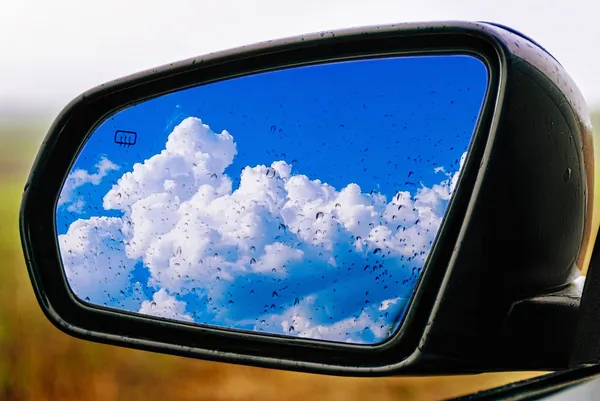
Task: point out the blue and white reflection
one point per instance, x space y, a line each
302 202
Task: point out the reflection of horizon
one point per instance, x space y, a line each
183 192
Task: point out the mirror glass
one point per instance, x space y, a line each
299 202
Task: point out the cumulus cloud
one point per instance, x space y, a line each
194 157
80 177
165 306
93 255
372 322
282 248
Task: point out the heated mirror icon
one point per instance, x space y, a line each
125 138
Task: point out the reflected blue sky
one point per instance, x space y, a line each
387 125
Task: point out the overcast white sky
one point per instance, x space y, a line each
51 51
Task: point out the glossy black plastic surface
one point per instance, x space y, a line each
504 240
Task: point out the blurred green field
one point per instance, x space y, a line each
38 362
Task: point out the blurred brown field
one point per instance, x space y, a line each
38 362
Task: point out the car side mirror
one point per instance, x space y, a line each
407 199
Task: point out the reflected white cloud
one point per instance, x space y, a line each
78 178
282 253
165 306
93 255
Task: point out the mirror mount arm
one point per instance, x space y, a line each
536 330
586 343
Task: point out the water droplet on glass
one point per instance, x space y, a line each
376 251
275 294
153 305
296 301
291 329
319 215
567 175
252 248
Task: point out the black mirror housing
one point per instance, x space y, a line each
498 292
